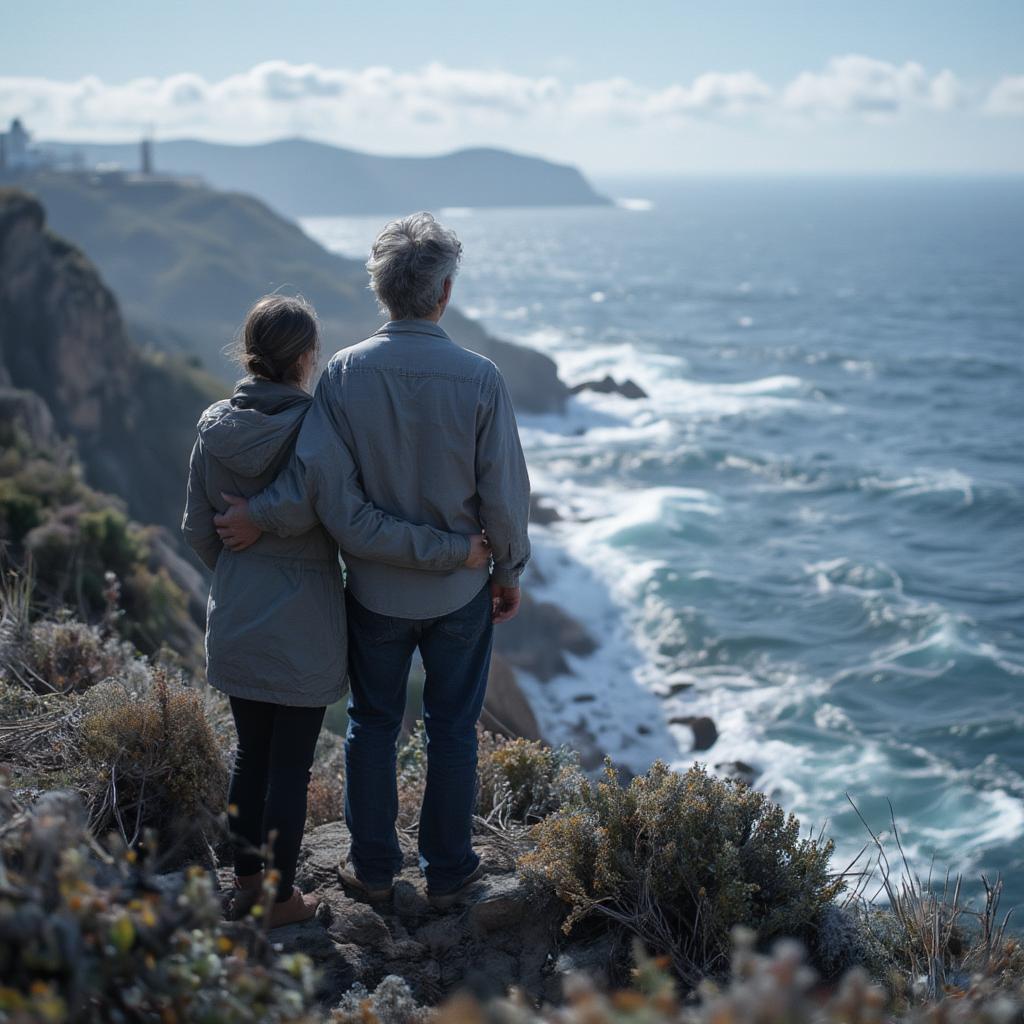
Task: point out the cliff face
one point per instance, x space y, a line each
187 261
62 337
60 330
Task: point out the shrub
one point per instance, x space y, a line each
524 780
779 988
76 537
88 946
19 512
156 760
326 801
65 655
391 1002
679 860
412 775
928 939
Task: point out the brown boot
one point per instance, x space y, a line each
248 890
448 898
297 907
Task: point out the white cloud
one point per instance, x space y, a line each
861 85
1007 97
709 94
385 107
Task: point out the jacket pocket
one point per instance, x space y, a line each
276 625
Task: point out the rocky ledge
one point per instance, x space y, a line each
503 933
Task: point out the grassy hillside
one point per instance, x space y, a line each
186 262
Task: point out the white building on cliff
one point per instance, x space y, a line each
16 150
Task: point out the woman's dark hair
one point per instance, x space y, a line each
277 331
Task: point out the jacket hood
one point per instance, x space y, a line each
249 430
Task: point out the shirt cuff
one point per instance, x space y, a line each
506 576
460 550
259 515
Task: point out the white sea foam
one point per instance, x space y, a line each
601 706
621 699
927 481
635 205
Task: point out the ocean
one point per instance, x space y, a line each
812 529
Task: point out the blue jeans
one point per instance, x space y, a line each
456 652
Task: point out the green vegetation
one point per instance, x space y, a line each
680 860
89 935
156 760
525 780
775 988
112 817
84 552
83 711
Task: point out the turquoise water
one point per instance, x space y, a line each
812 530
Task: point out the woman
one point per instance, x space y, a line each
275 635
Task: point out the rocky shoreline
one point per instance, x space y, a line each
545 643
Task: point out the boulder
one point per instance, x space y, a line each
740 771
538 638
506 711
601 959
705 732
543 514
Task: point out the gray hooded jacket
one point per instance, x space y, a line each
275 626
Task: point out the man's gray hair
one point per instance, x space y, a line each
408 265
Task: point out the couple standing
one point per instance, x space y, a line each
405 455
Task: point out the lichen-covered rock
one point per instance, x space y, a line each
503 933
601 959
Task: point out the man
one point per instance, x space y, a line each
432 432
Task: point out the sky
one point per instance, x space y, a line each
651 87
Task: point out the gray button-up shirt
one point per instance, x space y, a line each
431 429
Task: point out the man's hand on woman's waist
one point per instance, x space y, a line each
237 531
235 528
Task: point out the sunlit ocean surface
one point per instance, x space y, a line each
812 530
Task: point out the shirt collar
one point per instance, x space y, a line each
413 327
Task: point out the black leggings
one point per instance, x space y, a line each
269 783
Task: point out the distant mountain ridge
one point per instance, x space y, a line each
301 178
